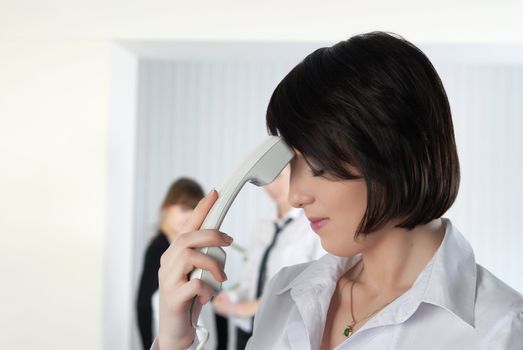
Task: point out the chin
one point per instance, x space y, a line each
340 249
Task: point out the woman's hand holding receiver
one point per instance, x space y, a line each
176 291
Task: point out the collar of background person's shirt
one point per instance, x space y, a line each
447 281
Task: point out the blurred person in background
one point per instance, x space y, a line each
277 242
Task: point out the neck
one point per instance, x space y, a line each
394 257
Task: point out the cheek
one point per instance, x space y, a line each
349 202
348 206
354 206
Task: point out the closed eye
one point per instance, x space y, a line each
315 172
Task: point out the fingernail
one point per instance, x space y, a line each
210 192
224 277
227 238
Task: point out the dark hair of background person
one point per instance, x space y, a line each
184 192
374 102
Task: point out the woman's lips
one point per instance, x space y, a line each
317 223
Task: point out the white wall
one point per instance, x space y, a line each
54 62
118 313
288 20
52 188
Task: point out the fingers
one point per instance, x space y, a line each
202 239
180 259
176 252
176 300
200 212
196 288
182 256
194 259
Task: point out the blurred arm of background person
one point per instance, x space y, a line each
224 306
179 202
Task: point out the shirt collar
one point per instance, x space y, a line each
452 281
447 281
323 272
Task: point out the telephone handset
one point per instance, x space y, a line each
261 167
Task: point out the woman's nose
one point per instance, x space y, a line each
298 197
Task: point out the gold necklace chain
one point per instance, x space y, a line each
349 329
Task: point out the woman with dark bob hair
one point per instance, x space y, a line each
375 168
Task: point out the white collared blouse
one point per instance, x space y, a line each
453 304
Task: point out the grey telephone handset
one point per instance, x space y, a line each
261 167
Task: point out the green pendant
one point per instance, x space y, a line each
348 331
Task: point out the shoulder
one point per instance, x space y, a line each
500 306
496 294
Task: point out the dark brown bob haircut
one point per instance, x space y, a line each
183 191
376 103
